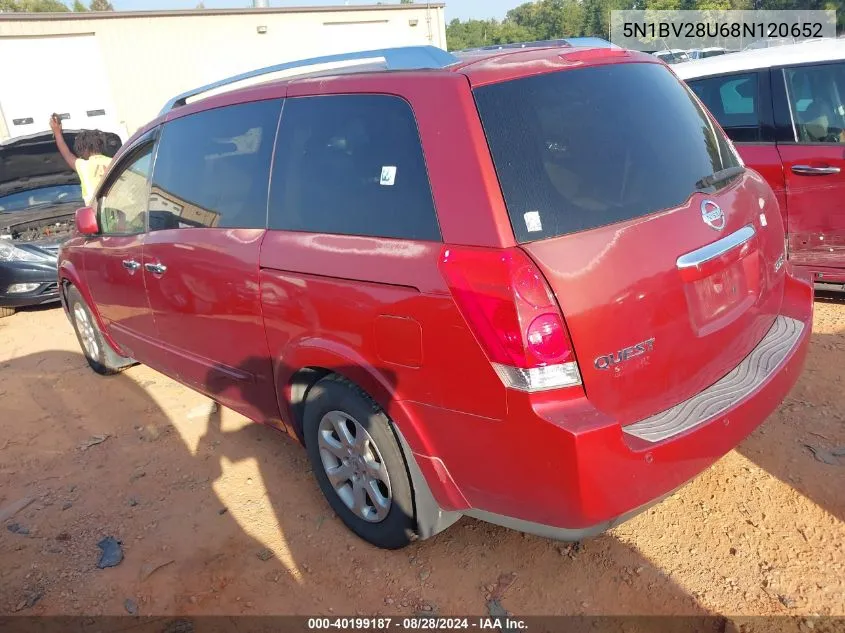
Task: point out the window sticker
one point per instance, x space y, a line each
533 222
388 176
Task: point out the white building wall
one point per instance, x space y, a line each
151 56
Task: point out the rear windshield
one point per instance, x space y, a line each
583 148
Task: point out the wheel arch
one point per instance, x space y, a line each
313 361
69 276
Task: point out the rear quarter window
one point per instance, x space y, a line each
351 165
733 100
582 148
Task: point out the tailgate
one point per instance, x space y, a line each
662 307
664 253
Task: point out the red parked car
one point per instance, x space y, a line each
536 287
784 109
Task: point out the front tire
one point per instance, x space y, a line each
358 463
99 354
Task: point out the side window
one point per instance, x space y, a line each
121 209
213 168
733 100
816 98
351 165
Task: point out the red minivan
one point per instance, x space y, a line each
784 109
535 287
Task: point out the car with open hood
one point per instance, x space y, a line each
39 194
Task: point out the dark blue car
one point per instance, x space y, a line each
39 195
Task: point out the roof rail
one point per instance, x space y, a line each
401 58
595 42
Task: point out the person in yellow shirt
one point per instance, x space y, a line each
87 159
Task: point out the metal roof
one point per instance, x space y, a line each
113 15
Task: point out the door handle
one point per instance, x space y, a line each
131 264
809 170
158 269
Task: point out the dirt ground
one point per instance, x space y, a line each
220 516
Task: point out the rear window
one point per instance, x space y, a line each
583 148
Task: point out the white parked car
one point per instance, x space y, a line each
703 53
673 55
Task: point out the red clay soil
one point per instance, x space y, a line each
220 516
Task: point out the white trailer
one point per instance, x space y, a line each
116 69
62 74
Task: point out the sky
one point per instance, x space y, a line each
463 9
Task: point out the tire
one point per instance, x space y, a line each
99 354
376 465
4 312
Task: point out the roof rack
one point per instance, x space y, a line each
401 58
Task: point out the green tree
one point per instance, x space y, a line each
78 7
101 5
594 23
553 19
32 6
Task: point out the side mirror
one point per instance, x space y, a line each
86 221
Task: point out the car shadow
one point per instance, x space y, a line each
88 457
43 307
803 442
554 578
221 516
827 296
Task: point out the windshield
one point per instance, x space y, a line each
23 200
583 148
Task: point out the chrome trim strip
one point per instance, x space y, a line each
717 248
809 170
789 105
745 378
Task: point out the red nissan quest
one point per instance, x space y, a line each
537 287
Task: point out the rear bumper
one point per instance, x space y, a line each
44 274
567 471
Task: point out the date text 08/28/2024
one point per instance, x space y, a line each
416 623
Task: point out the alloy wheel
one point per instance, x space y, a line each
86 331
354 466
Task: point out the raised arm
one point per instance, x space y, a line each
64 150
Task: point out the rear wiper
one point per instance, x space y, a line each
719 176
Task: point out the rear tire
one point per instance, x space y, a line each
4 312
348 435
99 354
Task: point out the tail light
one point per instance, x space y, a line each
511 311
